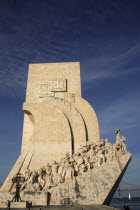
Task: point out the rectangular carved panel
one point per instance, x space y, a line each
48 90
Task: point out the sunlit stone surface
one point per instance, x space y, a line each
62 158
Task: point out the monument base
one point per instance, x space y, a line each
94 187
16 205
21 205
36 198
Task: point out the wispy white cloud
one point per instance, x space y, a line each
111 65
122 113
51 39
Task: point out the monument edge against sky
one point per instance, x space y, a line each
61 135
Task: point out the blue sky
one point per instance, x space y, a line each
103 35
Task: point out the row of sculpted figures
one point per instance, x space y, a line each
88 157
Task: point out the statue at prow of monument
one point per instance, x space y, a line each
119 138
120 145
62 158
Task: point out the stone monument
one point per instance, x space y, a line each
62 158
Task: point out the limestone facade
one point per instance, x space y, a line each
62 157
57 120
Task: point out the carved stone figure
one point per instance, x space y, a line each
69 170
41 174
109 154
107 145
87 158
120 146
54 175
108 151
32 184
27 176
94 161
62 171
100 156
47 177
119 138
